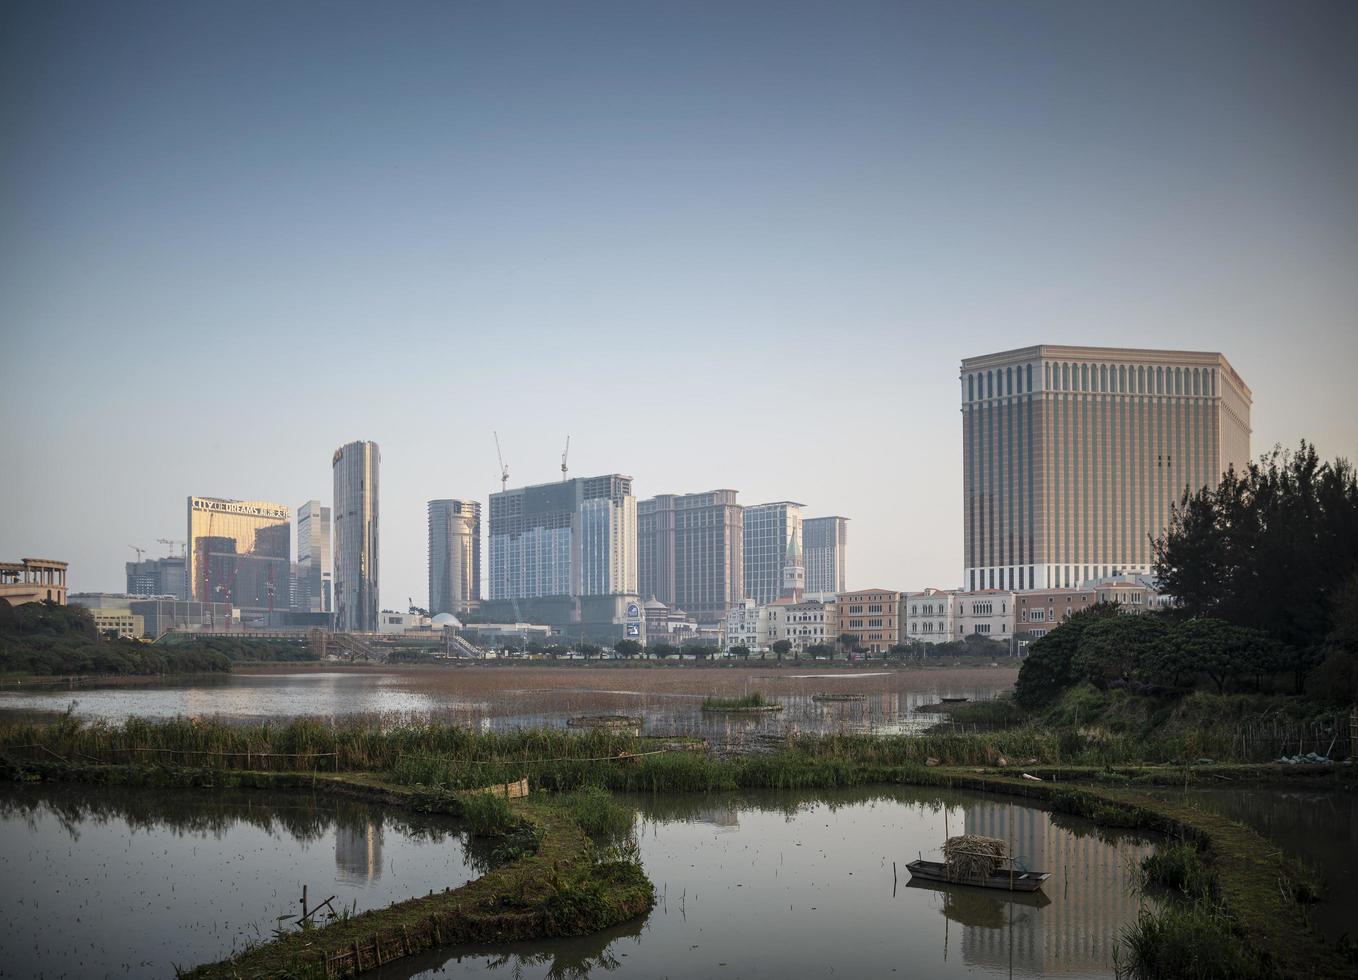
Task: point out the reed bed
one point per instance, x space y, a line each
456 757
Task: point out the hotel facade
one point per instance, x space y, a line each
1074 456
691 552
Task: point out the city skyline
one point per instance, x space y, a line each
951 180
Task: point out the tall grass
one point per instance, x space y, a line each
1180 867
436 754
1187 942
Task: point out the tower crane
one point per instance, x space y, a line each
139 551
172 542
564 454
504 470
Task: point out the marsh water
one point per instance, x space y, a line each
669 701
1320 828
108 882
104 882
792 885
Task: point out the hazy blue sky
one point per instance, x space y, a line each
728 244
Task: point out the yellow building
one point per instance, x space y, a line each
120 621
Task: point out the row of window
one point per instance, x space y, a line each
1109 378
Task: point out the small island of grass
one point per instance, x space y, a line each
748 702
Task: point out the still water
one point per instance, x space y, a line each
668 701
1319 828
786 885
107 882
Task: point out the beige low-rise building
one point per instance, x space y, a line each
804 624
1041 611
872 617
121 622
989 613
33 580
929 616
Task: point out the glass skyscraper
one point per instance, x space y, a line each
1074 456
825 545
239 553
454 556
574 538
315 579
355 518
768 532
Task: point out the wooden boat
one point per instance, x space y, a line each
1004 879
1037 899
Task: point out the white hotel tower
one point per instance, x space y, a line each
1074 456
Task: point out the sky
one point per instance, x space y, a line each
722 244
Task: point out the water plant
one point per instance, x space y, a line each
747 702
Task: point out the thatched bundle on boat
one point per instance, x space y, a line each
973 856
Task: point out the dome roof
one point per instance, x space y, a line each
446 619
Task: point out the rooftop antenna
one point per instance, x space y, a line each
504 470
564 454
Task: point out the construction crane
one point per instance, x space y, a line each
172 542
139 551
504 470
564 454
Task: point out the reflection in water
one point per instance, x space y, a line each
792 885
134 881
1093 872
358 851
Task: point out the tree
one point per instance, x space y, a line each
1337 678
821 650
588 650
740 650
781 647
848 642
1047 670
627 648
1120 649
898 650
1224 652
1268 549
663 650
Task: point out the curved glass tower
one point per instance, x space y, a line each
354 517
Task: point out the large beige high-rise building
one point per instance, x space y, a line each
691 552
1073 457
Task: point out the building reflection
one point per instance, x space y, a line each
1092 887
358 851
